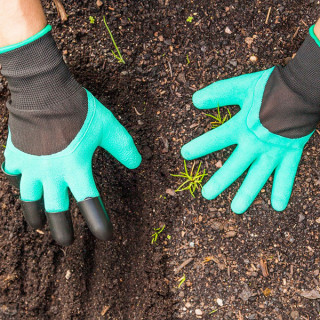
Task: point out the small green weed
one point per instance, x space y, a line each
189 19
193 180
92 20
117 55
213 311
188 61
182 280
156 234
218 120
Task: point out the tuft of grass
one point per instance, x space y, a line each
156 234
117 55
193 181
92 20
219 120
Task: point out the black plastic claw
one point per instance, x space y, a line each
14 179
96 217
60 224
33 212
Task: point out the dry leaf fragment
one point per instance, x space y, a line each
266 292
312 294
264 268
62 12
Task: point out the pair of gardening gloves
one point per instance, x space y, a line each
55 126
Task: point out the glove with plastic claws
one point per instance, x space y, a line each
280 108
54 128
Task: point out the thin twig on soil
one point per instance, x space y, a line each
304 22
182 265
268 15
170 69
137 112
62 12
295 34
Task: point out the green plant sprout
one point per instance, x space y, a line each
168 237
188 61
189 19
92 19
194 181
182 280
117 56
213 311
156 234
218 119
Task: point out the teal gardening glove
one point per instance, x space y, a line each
55 126
279 113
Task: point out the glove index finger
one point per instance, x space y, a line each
119 143
226 92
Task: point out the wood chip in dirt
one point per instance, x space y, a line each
182 265
105 310
264 268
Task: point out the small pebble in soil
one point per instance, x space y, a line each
231 234
253 59
68 274
191 244
218 164
171 192
147 152
198 312
188 305
294 315
227 30
219 302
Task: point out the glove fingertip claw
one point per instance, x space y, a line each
96 217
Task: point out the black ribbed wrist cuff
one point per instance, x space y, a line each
47 107
37 75
302 74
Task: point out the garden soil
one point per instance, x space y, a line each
207 263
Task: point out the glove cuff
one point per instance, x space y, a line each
46 103
302 73
38 35
36 73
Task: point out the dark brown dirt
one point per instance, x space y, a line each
129 278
